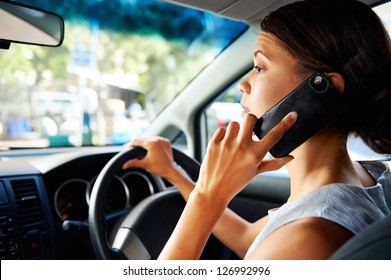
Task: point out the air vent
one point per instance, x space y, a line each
27 202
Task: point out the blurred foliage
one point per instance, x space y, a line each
146 16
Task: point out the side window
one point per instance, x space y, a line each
224 109
180 142
384 12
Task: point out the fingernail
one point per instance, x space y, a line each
293 116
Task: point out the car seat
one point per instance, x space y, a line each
373 243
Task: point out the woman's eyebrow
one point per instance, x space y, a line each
257 52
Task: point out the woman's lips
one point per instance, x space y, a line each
245 111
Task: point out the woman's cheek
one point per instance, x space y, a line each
261 103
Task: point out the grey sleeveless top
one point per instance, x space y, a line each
350 206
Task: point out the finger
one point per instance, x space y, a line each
274 135
140 142
218 135
273 164
248 124
133 163
232 130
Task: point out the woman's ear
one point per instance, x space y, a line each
337 80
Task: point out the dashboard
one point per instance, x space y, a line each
44 201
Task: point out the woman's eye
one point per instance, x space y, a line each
258 68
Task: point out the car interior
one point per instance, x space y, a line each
62 199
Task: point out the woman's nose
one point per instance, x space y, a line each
244 86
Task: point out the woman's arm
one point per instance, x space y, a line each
232 230
233 158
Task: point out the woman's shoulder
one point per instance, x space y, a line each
325 237
348 206
353 207
380 170
352 196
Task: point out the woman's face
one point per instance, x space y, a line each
273 77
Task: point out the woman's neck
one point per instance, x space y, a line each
322 160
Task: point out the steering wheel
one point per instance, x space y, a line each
143 232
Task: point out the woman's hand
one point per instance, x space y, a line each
159 159
233 157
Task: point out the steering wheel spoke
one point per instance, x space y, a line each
130 245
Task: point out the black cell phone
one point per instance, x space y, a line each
316 102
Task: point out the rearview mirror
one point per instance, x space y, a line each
29 25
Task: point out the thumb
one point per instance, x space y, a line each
273 164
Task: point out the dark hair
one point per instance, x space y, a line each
349 38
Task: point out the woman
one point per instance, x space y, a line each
332 198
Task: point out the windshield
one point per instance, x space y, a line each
121 63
